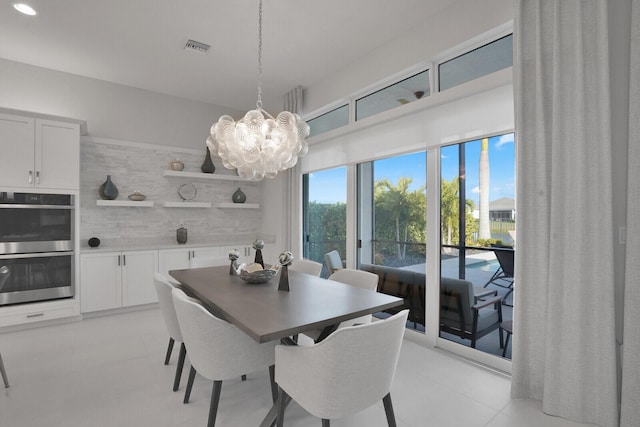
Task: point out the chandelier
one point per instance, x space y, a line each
259 145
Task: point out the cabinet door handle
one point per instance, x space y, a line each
30 177
124 260
29 316
37 177
118 260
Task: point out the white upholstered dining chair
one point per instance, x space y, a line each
352 369
163 289
306 266
359 278
219 350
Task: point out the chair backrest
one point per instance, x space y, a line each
360 278
217 349
333 261
306 266
165 300
215 261
456 300
314 376
506 259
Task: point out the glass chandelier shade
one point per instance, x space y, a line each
258 145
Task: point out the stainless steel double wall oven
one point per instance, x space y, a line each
37 254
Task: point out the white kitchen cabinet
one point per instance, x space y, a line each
39 153
117 279
178 259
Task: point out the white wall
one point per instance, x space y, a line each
454 25
110 110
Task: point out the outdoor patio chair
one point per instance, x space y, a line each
333 261
503 277
460 315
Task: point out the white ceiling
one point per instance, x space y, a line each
140 43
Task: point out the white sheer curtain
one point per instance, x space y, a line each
564 341
630 396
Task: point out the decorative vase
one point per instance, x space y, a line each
181 235
239 196
207 165
108 190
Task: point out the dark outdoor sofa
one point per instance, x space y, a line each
404 284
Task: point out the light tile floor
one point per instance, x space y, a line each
108 371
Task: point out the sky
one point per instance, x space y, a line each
329 186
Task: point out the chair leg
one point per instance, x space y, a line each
326 423
169 350
274 386
282 396
388 409
215 399
187 393
176 381
506 344
4 373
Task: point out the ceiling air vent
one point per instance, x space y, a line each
197 46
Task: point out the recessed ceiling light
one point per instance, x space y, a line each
24 8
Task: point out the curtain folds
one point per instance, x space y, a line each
564 325
291 184
630 395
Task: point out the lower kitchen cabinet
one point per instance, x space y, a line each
117 279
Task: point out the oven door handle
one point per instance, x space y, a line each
21 206
37 255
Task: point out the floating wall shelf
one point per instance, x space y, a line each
238 205
124 203
187 204
200 175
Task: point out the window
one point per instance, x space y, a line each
479 62
403 92
324 196
329 121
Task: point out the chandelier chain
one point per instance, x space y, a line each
259 102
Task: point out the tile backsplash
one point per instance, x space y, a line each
139 167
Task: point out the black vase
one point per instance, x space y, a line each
108 190
207 165
181 235
238 196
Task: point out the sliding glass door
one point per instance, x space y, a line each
324 196
477 211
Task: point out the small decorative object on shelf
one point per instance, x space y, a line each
137 196
187 191
181 234
176 165
239 196
207 165
258 245
284 260
94 242
108 190
234 254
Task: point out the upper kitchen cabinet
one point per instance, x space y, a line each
39 153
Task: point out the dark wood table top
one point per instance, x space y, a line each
266 314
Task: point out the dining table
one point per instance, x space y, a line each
266 314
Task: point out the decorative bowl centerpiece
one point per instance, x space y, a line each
254 273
